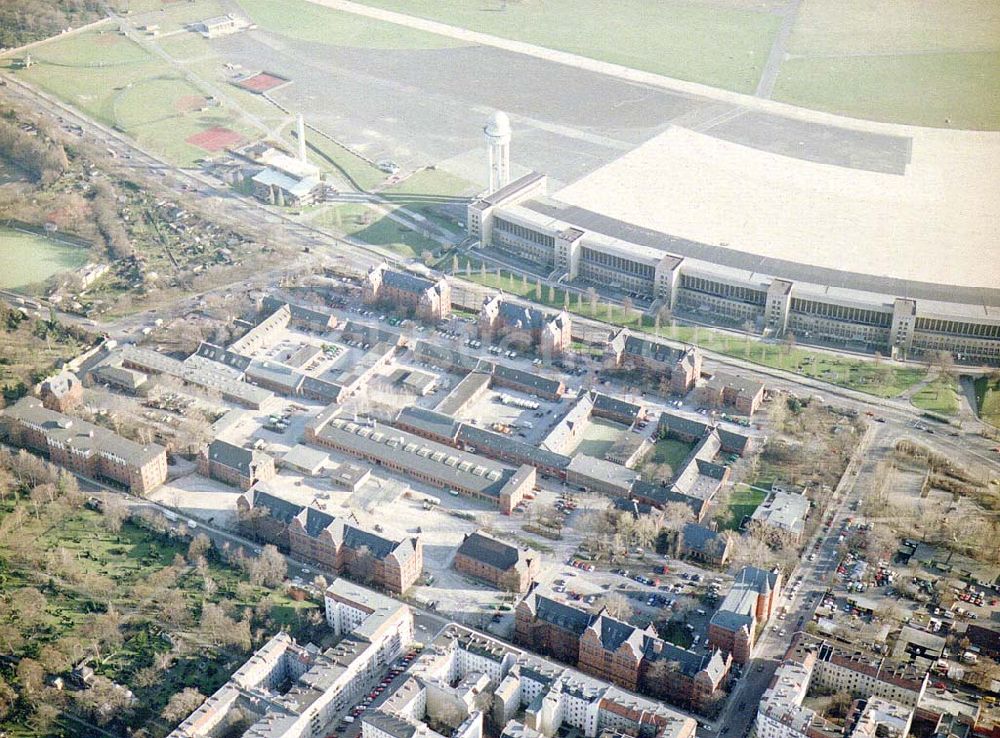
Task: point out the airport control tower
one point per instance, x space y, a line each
497 132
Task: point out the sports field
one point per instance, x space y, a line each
122 85
931 62
29 259
721 43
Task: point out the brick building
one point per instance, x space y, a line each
551 334
610 649
750 603
699 543
504 566
430 300
235 465
742 394
85 448
335 544
62 392
681 365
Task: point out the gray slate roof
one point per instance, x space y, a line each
490 442
82 436
428 421
561 615
490 551
231 455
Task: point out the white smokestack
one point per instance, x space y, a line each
301 129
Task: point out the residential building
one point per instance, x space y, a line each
61 392
746 608
615 651
704 544
886 692
428 299
84 448
783 512
722 390
679 365
288 690
504 566
544 696
336 544
517 323
235 465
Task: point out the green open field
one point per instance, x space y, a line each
939 396
988 399
723 44
425 191
883 380
370 226
939 90
670 451
304 21
28 259
742 502
121 84
934 63
336 159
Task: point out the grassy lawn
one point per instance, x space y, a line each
670 451
370 226
724 44
889 26
303 21
120 84
742 502
177 15
988 399
333 158
425 191
599 436
940 396
960 90
930 63
883 380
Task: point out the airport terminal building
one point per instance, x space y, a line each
722 284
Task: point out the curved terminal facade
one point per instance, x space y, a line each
722 284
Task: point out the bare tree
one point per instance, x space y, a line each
362 565
182 704
269 568
115 513
617 606
199 546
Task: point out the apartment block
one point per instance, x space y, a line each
84 448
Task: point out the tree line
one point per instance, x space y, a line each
24 21
41 158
